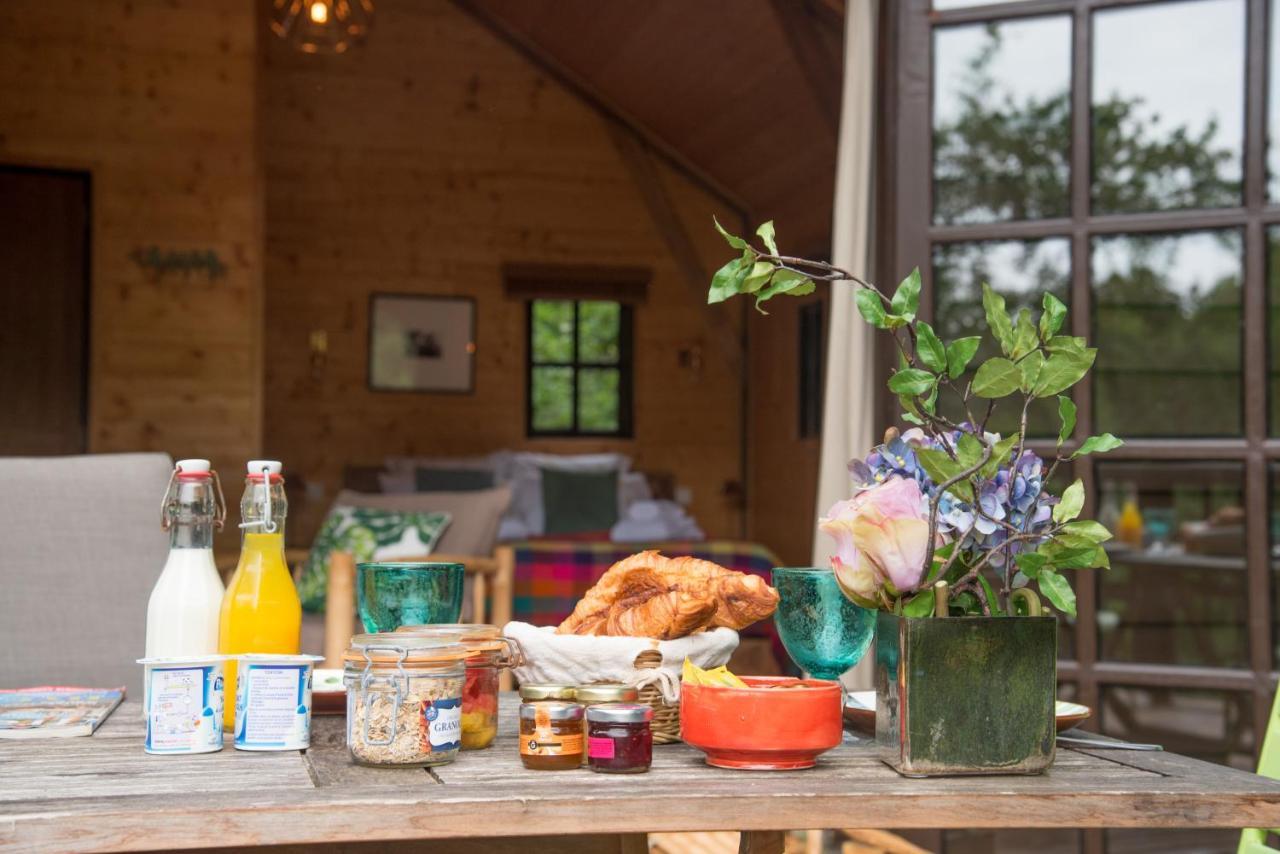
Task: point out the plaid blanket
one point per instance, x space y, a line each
551 576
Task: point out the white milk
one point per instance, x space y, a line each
182 615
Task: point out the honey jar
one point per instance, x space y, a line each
551 735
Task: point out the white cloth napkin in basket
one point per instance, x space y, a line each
580 659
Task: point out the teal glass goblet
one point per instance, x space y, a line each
824 633
394 594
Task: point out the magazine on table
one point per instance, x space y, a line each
55 711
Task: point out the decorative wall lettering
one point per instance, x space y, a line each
160 262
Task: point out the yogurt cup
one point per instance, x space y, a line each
273 701
183 701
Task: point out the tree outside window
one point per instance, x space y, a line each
579 380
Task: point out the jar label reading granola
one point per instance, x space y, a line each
442 724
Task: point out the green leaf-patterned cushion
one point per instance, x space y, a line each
368 534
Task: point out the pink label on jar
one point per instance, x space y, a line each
600 748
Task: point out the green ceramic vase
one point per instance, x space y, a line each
966 695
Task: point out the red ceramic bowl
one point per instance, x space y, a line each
763 727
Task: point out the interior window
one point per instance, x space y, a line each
579 379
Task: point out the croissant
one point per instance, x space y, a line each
741 599
649 595
646 607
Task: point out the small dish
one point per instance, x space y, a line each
774 724
328 696
860 712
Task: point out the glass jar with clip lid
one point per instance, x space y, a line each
404 699
489 653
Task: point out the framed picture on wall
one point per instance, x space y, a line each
422 343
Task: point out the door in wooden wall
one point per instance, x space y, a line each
44 306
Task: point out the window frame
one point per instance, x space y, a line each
909 234
624 366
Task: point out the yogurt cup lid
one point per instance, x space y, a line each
175 660
282 658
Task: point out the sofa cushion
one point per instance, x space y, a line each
577 502
475 515
368 534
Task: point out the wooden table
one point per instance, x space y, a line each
104 793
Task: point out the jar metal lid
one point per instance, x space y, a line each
468 631
389 648
548 691
608 692
477 637
554 711
620 713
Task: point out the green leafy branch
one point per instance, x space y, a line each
1036 362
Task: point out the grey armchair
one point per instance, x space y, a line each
80 548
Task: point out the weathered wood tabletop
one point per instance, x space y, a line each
104 793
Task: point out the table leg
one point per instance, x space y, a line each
762 842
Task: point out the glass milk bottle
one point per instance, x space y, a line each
182 614
261 611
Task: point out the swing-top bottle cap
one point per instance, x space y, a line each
273 467
193 466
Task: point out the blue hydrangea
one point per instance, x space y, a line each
1015 496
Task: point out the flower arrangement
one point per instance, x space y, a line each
947 508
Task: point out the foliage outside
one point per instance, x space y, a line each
576 349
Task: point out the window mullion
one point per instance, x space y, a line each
1255 380
573 382
1081 325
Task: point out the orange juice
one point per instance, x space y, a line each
261 611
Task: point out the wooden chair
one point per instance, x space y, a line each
1254 840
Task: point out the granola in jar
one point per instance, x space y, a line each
404 699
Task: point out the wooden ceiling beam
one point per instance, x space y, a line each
638 160
613 113
804 32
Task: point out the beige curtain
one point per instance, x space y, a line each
847 429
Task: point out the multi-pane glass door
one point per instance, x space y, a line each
1120 155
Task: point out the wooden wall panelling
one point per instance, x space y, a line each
783 466
423 162
156 100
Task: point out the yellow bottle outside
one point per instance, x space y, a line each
1131 523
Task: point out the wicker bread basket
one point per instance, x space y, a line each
666 716
652 666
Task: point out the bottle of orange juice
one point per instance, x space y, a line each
1129 529
260 611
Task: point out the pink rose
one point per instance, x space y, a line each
882 535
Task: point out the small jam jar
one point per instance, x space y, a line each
551 735
619 738
595 693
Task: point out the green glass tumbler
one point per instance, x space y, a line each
394 594
824 632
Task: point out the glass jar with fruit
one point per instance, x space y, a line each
489 653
